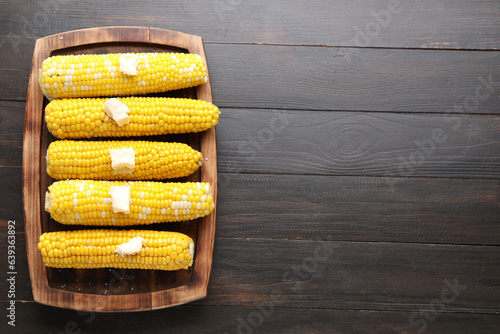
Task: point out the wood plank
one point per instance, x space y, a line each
397 244
32 317
349 208
11 133
340 143
359 209
381 23
355 143
17 52
11 197
353 275
312 78
342 275
22 278
298 77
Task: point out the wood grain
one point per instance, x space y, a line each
334 143
359 143
11 197
350 208
315 78
447 24
369 209
223 319
356 101
353 275
92 289
22 277
11 133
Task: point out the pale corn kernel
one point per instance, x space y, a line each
108 81
153 202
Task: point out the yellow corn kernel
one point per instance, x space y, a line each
92 160
148 116
103 253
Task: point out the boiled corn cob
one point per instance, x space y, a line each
99 249
91 202
102 75
99 160
86 118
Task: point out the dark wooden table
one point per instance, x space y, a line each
359 164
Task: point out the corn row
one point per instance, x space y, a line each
98 249
67 159
90 202
101 75
86 118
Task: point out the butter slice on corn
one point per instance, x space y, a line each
86 202
148 116
100 75
88 249
98 160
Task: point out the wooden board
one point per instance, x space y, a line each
259 318
439 24
315 78
359 209
341 144
283 141
97 289
350 208
335 275
399 234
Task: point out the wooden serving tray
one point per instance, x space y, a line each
111 290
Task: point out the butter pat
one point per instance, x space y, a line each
128 64
49 199
120 199
123 159
117 111
191 252
131 247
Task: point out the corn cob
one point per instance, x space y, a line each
86 118
101 75
91 203
99 249
94 160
